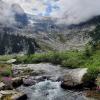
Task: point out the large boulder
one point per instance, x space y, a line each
12 82
28 81
74 79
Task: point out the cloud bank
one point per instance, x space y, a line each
6 14
68 11
76 11
12 14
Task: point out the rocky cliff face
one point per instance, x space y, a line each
43 36
52 36
15 43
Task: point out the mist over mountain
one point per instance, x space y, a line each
12 15
67 11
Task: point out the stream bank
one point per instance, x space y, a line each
43 82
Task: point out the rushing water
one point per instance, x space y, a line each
50 89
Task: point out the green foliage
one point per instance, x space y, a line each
6 73
4 58
88 52
71 59
53 57
89 58
71 63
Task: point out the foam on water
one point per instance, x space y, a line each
48 90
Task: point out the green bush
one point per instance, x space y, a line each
6 73
70 59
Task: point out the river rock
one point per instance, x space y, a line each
28 81
42 78
22 71
11 61
19 96
13 95
1 96
11 83
74 79
16 82
2 85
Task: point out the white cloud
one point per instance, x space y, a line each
70 12
76 11
6 15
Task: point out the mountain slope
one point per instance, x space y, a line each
50 35
30 33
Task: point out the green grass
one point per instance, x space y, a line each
69 59
5 58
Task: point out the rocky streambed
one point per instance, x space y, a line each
45 81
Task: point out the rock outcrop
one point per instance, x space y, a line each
74 79
2 86
11 83
10 43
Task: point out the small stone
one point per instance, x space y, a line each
2 85
11 61
28 82
16 82
19 96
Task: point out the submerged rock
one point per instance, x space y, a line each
74 79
